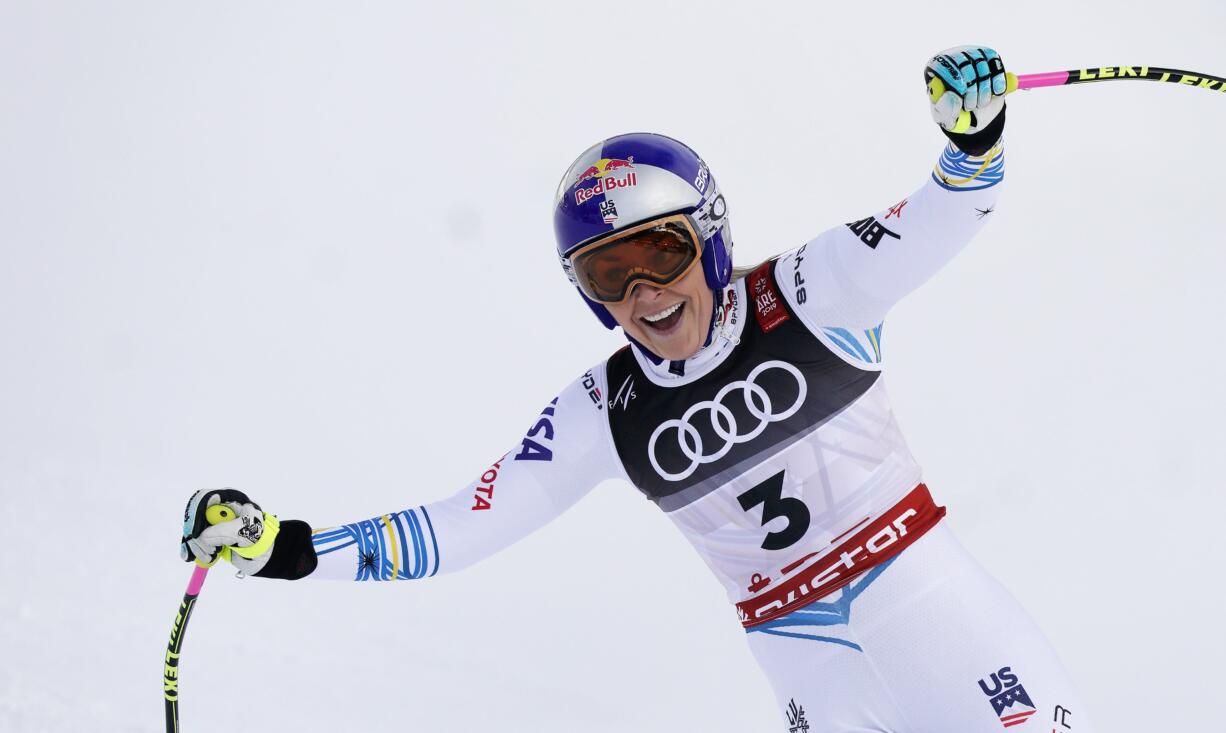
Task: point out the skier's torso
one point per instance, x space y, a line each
768 450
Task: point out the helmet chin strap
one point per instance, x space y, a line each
717 302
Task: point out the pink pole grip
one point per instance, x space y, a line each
1049 79
193 585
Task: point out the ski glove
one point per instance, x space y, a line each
966 89
224 523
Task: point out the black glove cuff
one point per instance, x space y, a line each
978 143
293 554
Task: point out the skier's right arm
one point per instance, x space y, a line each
564 454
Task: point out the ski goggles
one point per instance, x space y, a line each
660 252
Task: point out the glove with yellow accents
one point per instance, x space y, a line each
966 89
224 523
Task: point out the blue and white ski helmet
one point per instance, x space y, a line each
634 178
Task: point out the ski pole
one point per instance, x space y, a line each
1116 73
1013 82
170 679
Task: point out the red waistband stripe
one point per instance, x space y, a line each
893 531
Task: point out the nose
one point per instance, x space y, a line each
646 291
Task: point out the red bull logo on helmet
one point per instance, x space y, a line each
604 167
605 185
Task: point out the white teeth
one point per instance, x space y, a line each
662 314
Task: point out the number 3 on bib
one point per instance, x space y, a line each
769 493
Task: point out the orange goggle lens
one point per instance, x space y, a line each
659 252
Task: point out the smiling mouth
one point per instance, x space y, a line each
666 319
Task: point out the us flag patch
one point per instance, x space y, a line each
1010 701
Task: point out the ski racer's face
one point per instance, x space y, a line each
670 321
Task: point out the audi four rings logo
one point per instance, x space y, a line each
723 422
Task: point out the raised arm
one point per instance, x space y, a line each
563 455
851 275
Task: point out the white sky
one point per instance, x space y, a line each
304 249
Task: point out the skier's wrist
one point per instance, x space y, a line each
293 555
979 143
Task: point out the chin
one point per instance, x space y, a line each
675 350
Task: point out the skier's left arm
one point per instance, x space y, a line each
851 275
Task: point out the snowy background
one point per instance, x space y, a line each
304 249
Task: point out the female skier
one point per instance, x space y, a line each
750 408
